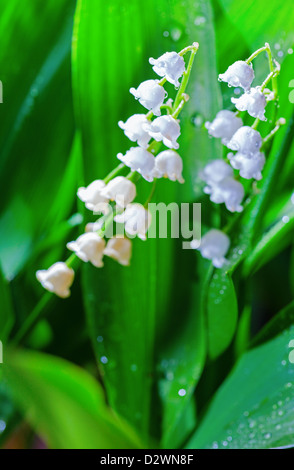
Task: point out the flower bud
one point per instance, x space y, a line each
224 125
166 129
246 140
57 279
150 95
253 102
214 246
170 65
137 220
89 247
239 74
169 164
249 167
120 249
91 195
121 190
133 129
140 160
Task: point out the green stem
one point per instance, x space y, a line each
37 313
193 49
256 53
151 193
279 123
114 173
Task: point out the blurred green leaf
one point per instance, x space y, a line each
280 322
6 309
16 236
64 403
253 409
37 125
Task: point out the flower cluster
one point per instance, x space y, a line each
221 183
114 196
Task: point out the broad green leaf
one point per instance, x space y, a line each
64 403
125 304
253 409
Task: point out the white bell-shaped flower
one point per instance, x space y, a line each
214 246
89 247
165 129
150 95
253 102
239 74
227 191
215 171
91 195
249 167
224 125
170 65
120 249
140 160
246 140
57 279
169 164
121 190
133 129
137 220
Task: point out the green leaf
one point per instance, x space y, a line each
222 313
253 409
6 310
64 403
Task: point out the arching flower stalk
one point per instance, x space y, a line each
223 184
113 196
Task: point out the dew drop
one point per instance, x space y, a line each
182 392
104 359
100 339
199 20
197 120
